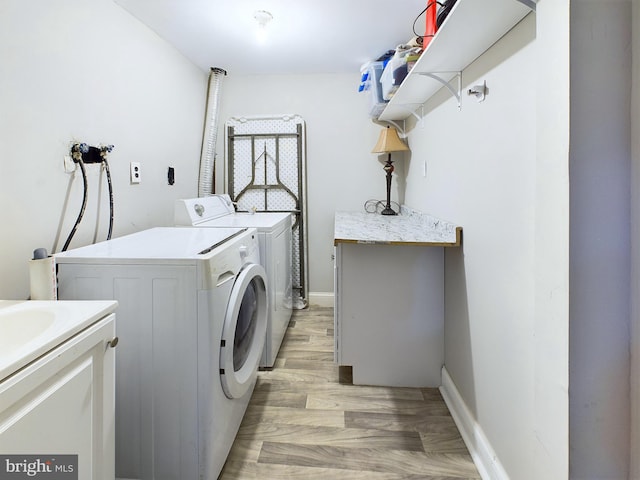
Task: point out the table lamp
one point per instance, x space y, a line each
389 142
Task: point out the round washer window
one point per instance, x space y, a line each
244 330
246 326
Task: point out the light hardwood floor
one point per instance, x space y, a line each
302 423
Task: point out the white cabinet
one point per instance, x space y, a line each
63 403
470 29
389 296
389 315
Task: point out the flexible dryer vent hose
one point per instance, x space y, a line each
207 157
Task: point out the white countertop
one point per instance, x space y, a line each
411 227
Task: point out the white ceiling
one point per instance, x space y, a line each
305 36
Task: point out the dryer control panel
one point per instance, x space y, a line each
192 211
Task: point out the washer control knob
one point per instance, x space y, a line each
244 251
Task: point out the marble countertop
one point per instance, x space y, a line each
411 227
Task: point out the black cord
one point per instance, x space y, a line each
435 2
377 206
106 169
82 209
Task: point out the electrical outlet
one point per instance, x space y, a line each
135 172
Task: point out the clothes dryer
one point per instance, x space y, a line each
191 323
274 238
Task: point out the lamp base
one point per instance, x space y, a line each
388 211
388 168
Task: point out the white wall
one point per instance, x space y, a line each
537 299
341 172
88 71
551 240
481 175
600 239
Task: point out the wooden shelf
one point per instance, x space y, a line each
471 28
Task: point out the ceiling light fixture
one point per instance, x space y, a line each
263 18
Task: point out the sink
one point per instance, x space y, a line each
29 329
20 326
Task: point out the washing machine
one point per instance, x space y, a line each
274 238
191 322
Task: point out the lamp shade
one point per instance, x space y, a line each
389 142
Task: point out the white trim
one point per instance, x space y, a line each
321 299
483 455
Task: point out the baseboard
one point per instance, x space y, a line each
483 455
321 299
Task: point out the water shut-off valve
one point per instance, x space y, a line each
88 154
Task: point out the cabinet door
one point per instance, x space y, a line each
63 403
390 314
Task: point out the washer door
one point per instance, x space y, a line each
243 334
